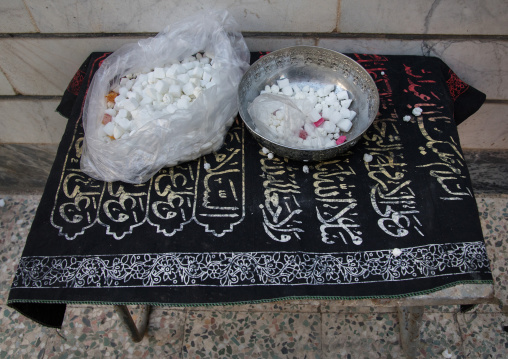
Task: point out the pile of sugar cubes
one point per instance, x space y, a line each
152 93
324 126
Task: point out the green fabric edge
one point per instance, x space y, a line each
280 299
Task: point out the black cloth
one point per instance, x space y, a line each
251 228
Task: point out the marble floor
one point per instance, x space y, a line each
281 330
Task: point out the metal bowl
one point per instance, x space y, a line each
316 67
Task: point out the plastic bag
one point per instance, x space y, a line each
172 138
291 114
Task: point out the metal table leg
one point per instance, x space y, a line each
410 319
136 333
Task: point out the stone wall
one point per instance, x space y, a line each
43 42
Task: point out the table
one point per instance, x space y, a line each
252 229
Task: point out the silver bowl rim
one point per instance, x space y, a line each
346 145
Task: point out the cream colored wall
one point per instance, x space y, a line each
43 42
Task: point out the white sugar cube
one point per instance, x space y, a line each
197 91
306 89
330 100
288 90
336 105
188 89
329 143
119 98
123 91
309 128
146 100
346 103
183 78
396 252
109 128
151 78
283 83
367 157
321 132
315 115
137 88
118 132
151 92
187 65
179 69
345 125
129 84
123 123
134 113
318 107
204 60
131 104
275 89
344 113
342 95
313 99
417 111
175 90
196 72
159 73
123 113
328 88
268 89
161 86
329 126
167 98
142 78
110 111
335 117
326 113
171 72
352 115
132 94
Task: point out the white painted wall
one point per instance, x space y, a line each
43 42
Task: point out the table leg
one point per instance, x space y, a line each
410 320
136 333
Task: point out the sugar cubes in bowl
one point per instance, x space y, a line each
307 103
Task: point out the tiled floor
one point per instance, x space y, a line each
282 330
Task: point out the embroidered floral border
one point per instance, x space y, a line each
249 269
